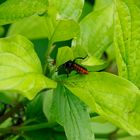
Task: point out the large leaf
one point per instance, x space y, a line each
68 8
71 113
1 30
58 29
13 10
20 68
99 4
127 39
112 97
34 109
49 25
32 27
96 31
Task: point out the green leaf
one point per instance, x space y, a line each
96 32
32 27
13 10
1 30
40 134
86 9
63 30
8 98
59 30
64 54
71 9
71 113
113 97
94 64
49 25
103 128
20 68
34 109
127 39
99 4
47 103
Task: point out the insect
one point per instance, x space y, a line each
72 65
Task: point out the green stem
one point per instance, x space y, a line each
17 129
48 51
35 127
49 48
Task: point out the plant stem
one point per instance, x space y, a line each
47 55
17 129
35 126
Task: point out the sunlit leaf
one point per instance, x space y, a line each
32 27
20 68
127 39
96 32
114 98
13 10
64 54
68 8
71 113
99 4
48 26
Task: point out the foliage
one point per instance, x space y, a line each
39 99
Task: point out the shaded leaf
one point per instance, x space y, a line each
1 30
34 109
71 113
47 103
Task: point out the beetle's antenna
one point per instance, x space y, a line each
80 58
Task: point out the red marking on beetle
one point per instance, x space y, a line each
71 65
80 69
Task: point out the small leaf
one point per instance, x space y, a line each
127 39
71 113
13 10
68 8
96 38
94 64
64 54
114 98
20 68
